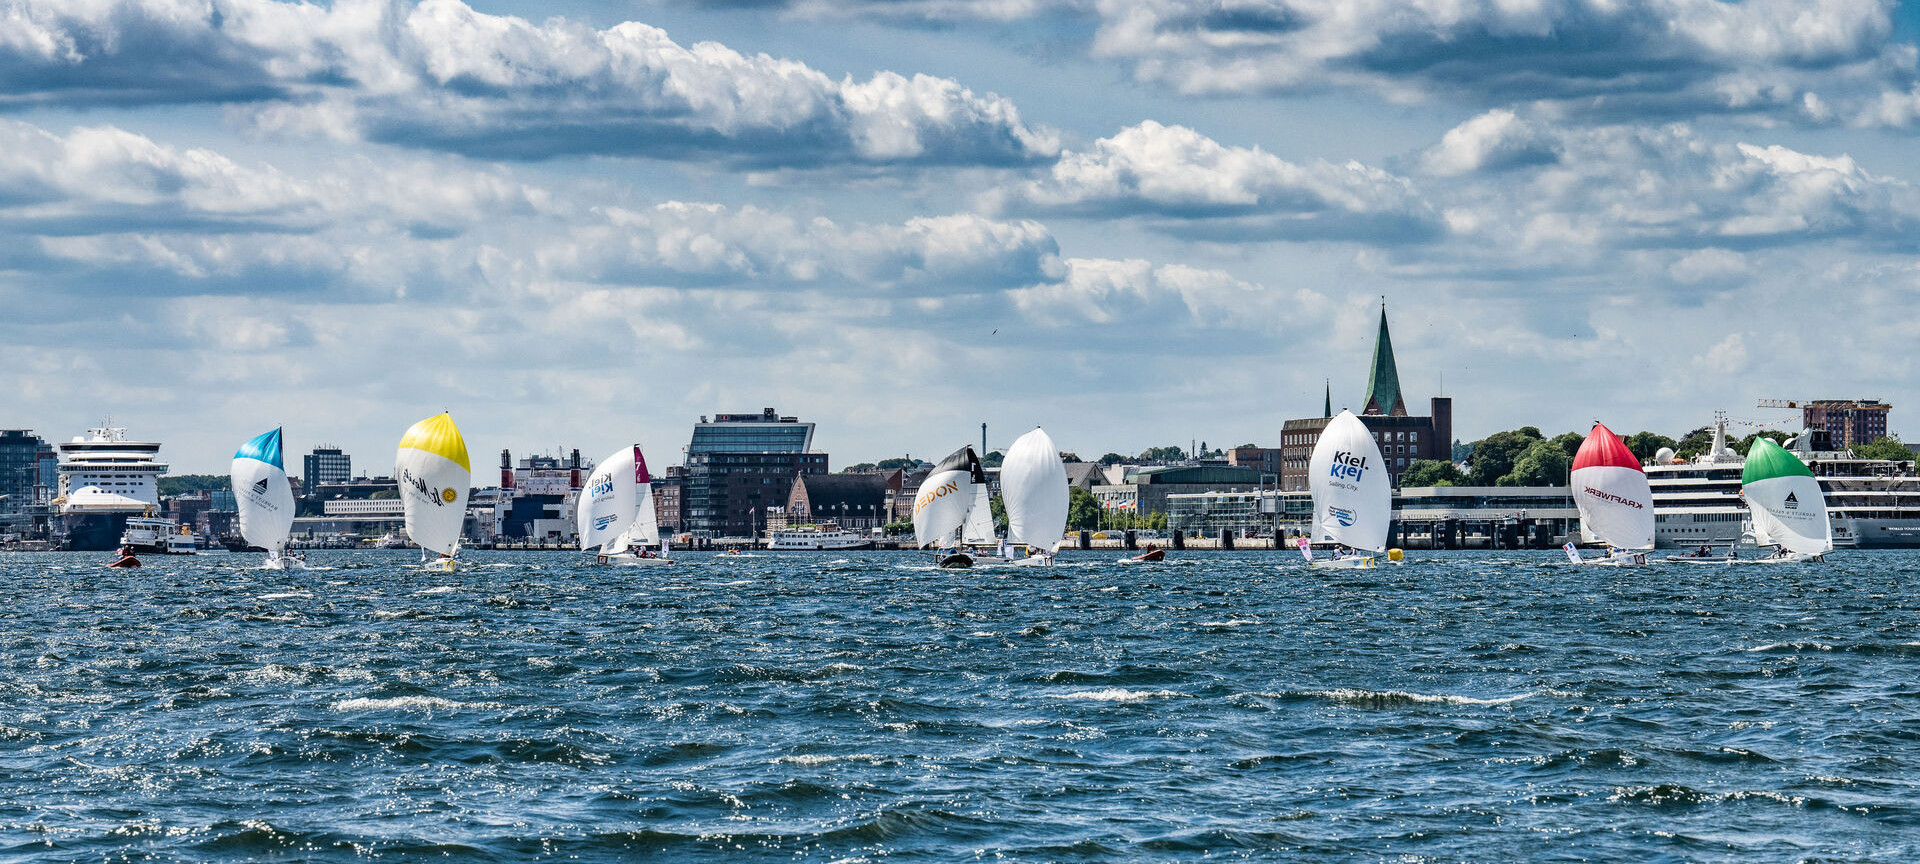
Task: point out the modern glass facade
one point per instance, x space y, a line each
739 465
20 452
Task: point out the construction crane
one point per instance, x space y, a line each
1795 404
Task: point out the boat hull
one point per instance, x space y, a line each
631 561
94 532
1355 562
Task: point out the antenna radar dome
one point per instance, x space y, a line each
1664 457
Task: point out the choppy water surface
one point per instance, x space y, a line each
1469 707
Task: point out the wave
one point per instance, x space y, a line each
408 703
1389 698
1120 694
810 760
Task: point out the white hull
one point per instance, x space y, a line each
1618 559
1352 562
1792 558
1704 562
631 561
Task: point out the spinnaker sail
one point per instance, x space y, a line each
434 477
1789 510
1610 488
262 493
946 497
1352 495
616 508
1033 483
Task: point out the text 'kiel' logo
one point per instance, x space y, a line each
1792 503
1348 466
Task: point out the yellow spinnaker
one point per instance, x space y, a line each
438 435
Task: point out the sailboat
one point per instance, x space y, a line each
945 503
616 514
434 475
265 499
1789 510
1616 504
1033 483
1352 495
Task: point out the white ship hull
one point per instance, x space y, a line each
824 540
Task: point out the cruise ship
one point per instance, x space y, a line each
1872 503
105 480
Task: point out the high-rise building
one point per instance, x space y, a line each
738 465
20 452
326 464
1838 424
1403 439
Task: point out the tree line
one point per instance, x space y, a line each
1526 457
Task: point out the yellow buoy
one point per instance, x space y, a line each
1395 555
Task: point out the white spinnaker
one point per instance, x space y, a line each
265 501
941 506
433 493
979 528
1033 484
608 504
1790 512
1616 505
1352 495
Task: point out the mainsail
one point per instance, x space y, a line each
945 497
262 493
434 475
1352 495
979 527
1610 488
1033 483
1788 508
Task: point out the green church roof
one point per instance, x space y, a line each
1383 383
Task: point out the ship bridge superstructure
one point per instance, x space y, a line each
104 460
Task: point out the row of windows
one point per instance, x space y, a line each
1383 437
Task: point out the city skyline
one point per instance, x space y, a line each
593 223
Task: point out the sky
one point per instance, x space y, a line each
1132 222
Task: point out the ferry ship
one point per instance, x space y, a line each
1872 503
145 534
817 537
105 479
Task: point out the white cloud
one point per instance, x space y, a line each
1175 173
1594 188
441 75
1129 294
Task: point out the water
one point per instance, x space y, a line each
845 707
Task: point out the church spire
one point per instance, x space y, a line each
1329 398
1383 383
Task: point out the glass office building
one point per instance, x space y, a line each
739 465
